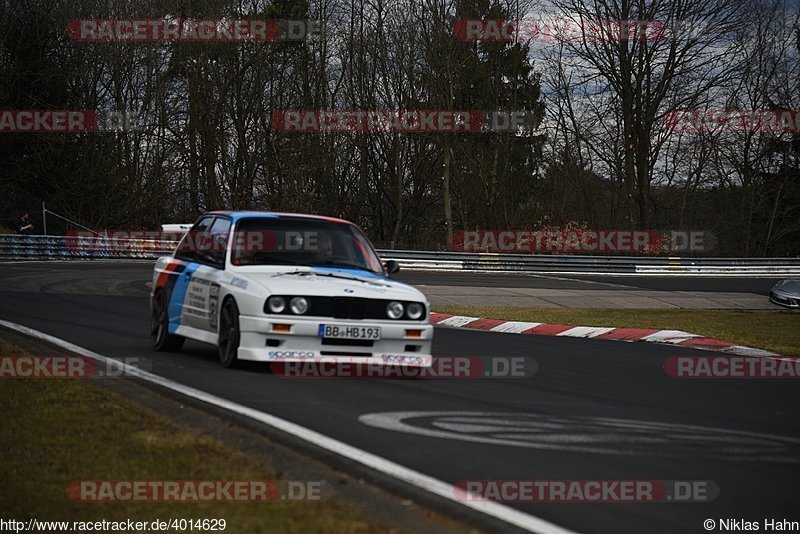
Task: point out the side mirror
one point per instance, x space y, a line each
392 266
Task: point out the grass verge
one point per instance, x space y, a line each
774 330
58 430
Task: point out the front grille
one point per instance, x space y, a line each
348 308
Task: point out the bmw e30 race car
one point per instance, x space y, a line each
285 287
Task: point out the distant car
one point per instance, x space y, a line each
287 287
786 293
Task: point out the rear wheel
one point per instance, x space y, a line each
229 334
163 341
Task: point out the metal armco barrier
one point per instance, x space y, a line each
23 247
38 247
574 264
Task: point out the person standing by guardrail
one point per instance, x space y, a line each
24 225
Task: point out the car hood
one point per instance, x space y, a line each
327 282
791 287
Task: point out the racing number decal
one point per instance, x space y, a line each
213 305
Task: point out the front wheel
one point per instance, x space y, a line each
163 341
229 334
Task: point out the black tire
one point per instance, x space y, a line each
229 335
163 341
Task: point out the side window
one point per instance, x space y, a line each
189 245
218 241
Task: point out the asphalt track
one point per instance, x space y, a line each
594 409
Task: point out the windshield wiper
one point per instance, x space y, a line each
343 276
267 260
344 265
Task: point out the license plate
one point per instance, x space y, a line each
349 332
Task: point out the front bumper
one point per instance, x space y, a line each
260 342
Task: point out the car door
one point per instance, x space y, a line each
202 301
187 253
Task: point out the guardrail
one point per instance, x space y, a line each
23 247
39 247
573 264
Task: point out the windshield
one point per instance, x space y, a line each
298 241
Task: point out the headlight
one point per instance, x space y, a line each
276 304
298 305
394 310
415 310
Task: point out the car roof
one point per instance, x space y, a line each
236 215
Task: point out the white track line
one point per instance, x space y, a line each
387 467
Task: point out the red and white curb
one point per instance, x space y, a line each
670 337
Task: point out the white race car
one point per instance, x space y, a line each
285 287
